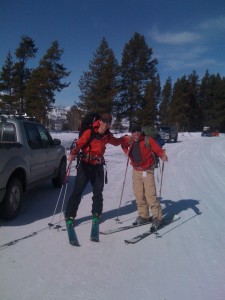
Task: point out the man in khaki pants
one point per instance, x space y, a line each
141 150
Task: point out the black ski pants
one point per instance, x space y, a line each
87 172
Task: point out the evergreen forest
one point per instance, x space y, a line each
130 90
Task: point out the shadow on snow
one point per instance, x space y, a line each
40 203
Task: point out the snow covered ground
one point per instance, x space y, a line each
187 262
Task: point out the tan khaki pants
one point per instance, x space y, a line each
145 193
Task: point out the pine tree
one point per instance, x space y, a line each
180 104
45 81
185 109
74 118
194 110
6 84
147 114
220 106
21 72
166 97
137 69
98 85
213 101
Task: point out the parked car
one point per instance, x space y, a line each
28 155
206 131
168 133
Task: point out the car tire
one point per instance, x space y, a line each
13 198
59 180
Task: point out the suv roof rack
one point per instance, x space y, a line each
7 115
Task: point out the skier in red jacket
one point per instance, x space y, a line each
92 145
142 160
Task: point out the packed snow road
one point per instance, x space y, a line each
186 262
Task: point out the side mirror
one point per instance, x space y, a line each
56 142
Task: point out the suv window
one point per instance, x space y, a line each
33 136
7 132
37 136
45 136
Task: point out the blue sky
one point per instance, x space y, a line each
184 35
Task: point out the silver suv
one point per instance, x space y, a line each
28 155
168 133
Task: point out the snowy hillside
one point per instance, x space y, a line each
186 263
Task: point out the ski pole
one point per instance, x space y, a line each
64 182
158 171
64 196
160 191
117 219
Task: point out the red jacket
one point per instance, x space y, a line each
147 157
93 150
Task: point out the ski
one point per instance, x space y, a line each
122 228
72 234
94 232
141 236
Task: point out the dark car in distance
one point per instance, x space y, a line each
168 133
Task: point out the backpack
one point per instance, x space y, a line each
86 123
150 131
